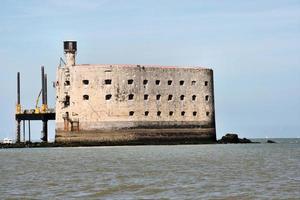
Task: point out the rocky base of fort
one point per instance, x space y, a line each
105 143
229 138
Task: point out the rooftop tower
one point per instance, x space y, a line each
70 49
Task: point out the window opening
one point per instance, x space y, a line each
67 83
158 113
108 97
146 96
130 96
67 101
130 81
107 81
206 98
85 82
158 97
86 97
182 97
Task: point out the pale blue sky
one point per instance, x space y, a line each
253 47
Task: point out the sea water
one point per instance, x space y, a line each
229 171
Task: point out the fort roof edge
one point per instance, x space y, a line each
146 66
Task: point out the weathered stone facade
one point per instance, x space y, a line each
134 104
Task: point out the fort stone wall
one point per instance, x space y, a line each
134 104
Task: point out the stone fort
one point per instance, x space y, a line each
133 104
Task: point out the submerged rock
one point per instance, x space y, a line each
270 141
245 140
233 138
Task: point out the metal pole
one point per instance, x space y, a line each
29 132
45 131
45 89
24 139
44 106
43 84
18 89
18 109
18 139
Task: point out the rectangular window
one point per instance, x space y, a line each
85 82
206 98
86 97
206 83
130 96
182 97
158 97
108 97
67 101
67 83
146 96
130 81
107 81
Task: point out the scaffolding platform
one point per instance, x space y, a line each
36 116
42 113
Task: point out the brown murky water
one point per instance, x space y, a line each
243 171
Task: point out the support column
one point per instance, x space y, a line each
18 131
44 105
24 138
45 131
29 132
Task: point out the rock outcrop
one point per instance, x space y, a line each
233 138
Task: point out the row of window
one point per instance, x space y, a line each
145 82
171 113
146 97
158 97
